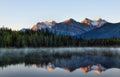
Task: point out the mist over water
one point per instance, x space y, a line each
60 50
60 62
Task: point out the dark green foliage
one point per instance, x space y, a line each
44 38
40 38
104 42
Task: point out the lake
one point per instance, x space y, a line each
60 62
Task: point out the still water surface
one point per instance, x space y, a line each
60 62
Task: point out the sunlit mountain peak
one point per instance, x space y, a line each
98 19
50 21
69 20
98 22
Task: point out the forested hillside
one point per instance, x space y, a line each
44 38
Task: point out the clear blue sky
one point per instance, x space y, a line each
17 14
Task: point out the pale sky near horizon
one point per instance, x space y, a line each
17 14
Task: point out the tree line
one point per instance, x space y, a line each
45 38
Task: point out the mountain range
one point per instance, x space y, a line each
87 28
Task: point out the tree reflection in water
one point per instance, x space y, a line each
69 61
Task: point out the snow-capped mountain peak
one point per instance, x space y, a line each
69 20
98 19
98 22
44 25
86 21
50 21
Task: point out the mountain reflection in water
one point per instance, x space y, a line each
97 64
69 61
